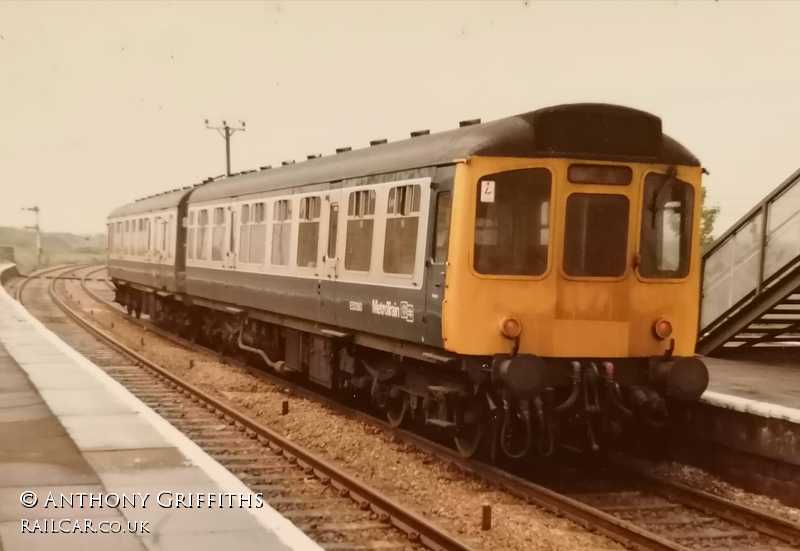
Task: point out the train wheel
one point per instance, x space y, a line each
397 408
471 430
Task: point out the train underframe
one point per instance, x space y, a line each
502 406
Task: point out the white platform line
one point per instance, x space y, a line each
753 407
267 517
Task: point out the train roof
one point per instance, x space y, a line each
582 130
585 130
161 201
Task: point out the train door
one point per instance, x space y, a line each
331 263
230 242
169 231
436 264
155 255
158 231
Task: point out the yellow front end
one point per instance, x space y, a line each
565 308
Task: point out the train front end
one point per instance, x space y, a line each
574 281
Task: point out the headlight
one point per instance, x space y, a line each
662 328
511 328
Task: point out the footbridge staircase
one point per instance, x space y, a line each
751 278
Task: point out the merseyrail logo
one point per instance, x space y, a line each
404 311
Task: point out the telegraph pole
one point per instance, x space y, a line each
226 132
35 210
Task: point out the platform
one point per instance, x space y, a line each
68 429
746 426
761 383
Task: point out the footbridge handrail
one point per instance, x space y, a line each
749 270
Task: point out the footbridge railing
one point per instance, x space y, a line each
751 277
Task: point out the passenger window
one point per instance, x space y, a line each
156 235
442 231
150 241
281 231
511 214
258 233
244 234
165 241
360 223
126 238
666 232
308 232
333 228
202 235
138 227
171 236
143 236
190 236
596 235
402 223
218 235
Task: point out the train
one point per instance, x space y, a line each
512 284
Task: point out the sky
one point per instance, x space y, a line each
101 103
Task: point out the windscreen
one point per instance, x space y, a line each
596 235
666 227
512 223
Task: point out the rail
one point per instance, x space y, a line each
619 529
417 528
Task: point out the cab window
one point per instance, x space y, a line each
511 223
666 232
596 235
442 232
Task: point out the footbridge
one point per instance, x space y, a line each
751 278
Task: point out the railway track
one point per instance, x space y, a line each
336 510
617 498
621 499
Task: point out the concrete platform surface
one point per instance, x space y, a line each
73 442
761 383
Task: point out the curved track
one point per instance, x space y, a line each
617 499
334 509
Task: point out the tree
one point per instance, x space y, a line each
707 219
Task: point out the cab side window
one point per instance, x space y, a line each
442 230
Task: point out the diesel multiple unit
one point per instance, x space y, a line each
512 283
